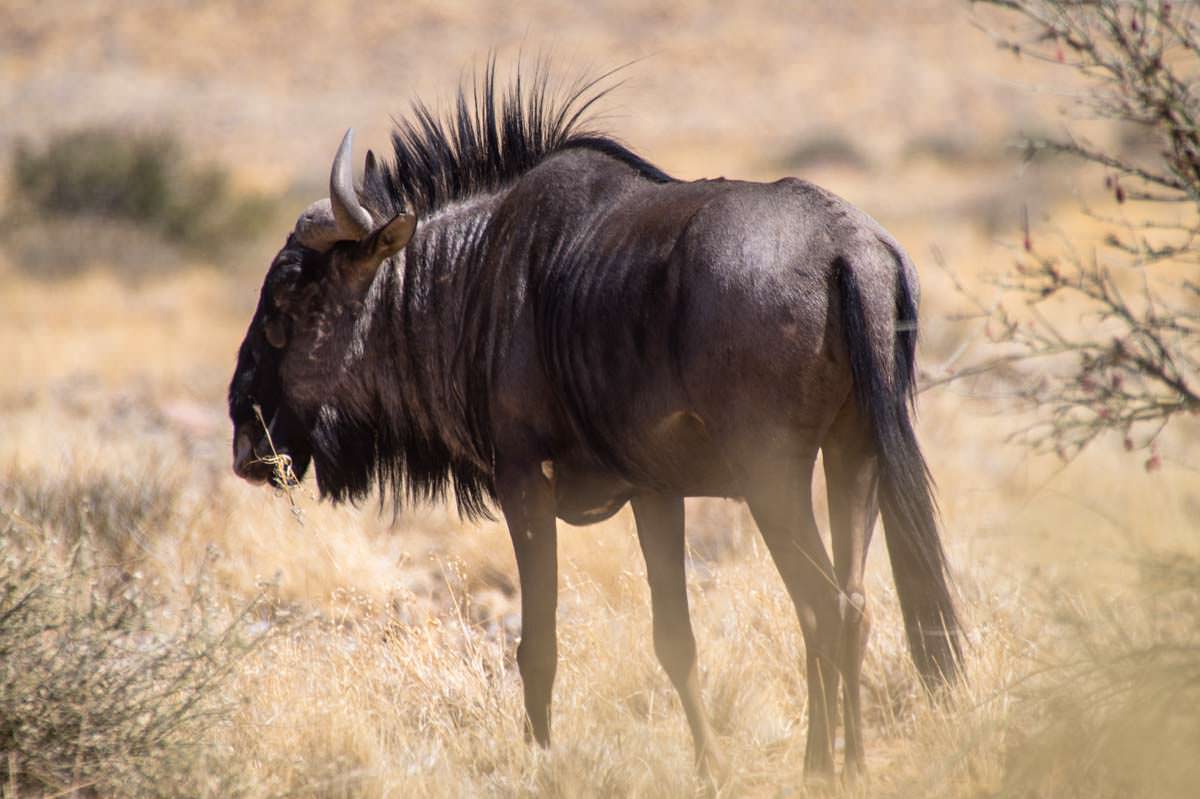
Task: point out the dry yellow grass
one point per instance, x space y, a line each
389 668
401 682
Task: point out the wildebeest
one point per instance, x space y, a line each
533 315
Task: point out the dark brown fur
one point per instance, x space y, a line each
568 330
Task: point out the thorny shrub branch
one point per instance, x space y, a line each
1132 364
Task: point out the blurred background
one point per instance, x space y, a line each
153 157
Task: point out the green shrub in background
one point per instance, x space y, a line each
109 185
103 172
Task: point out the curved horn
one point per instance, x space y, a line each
371 173
353 221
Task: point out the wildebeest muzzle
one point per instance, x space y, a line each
277 453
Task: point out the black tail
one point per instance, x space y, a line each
905 484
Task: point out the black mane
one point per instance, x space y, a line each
488 140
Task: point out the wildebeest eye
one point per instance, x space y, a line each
276 332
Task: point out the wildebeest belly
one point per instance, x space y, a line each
680 459
586 494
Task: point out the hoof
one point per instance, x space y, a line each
713 772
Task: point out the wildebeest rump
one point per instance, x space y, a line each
535 316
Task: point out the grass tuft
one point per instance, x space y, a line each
108 689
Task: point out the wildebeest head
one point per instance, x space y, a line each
301 331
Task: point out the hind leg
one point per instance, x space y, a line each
780 498
852 476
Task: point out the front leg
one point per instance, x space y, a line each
527 498
660 530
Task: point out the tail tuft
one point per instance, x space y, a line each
906 499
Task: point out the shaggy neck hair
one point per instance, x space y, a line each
487 141
415 419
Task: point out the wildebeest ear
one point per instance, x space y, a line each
392 237
372 251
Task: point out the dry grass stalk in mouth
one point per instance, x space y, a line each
285 476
